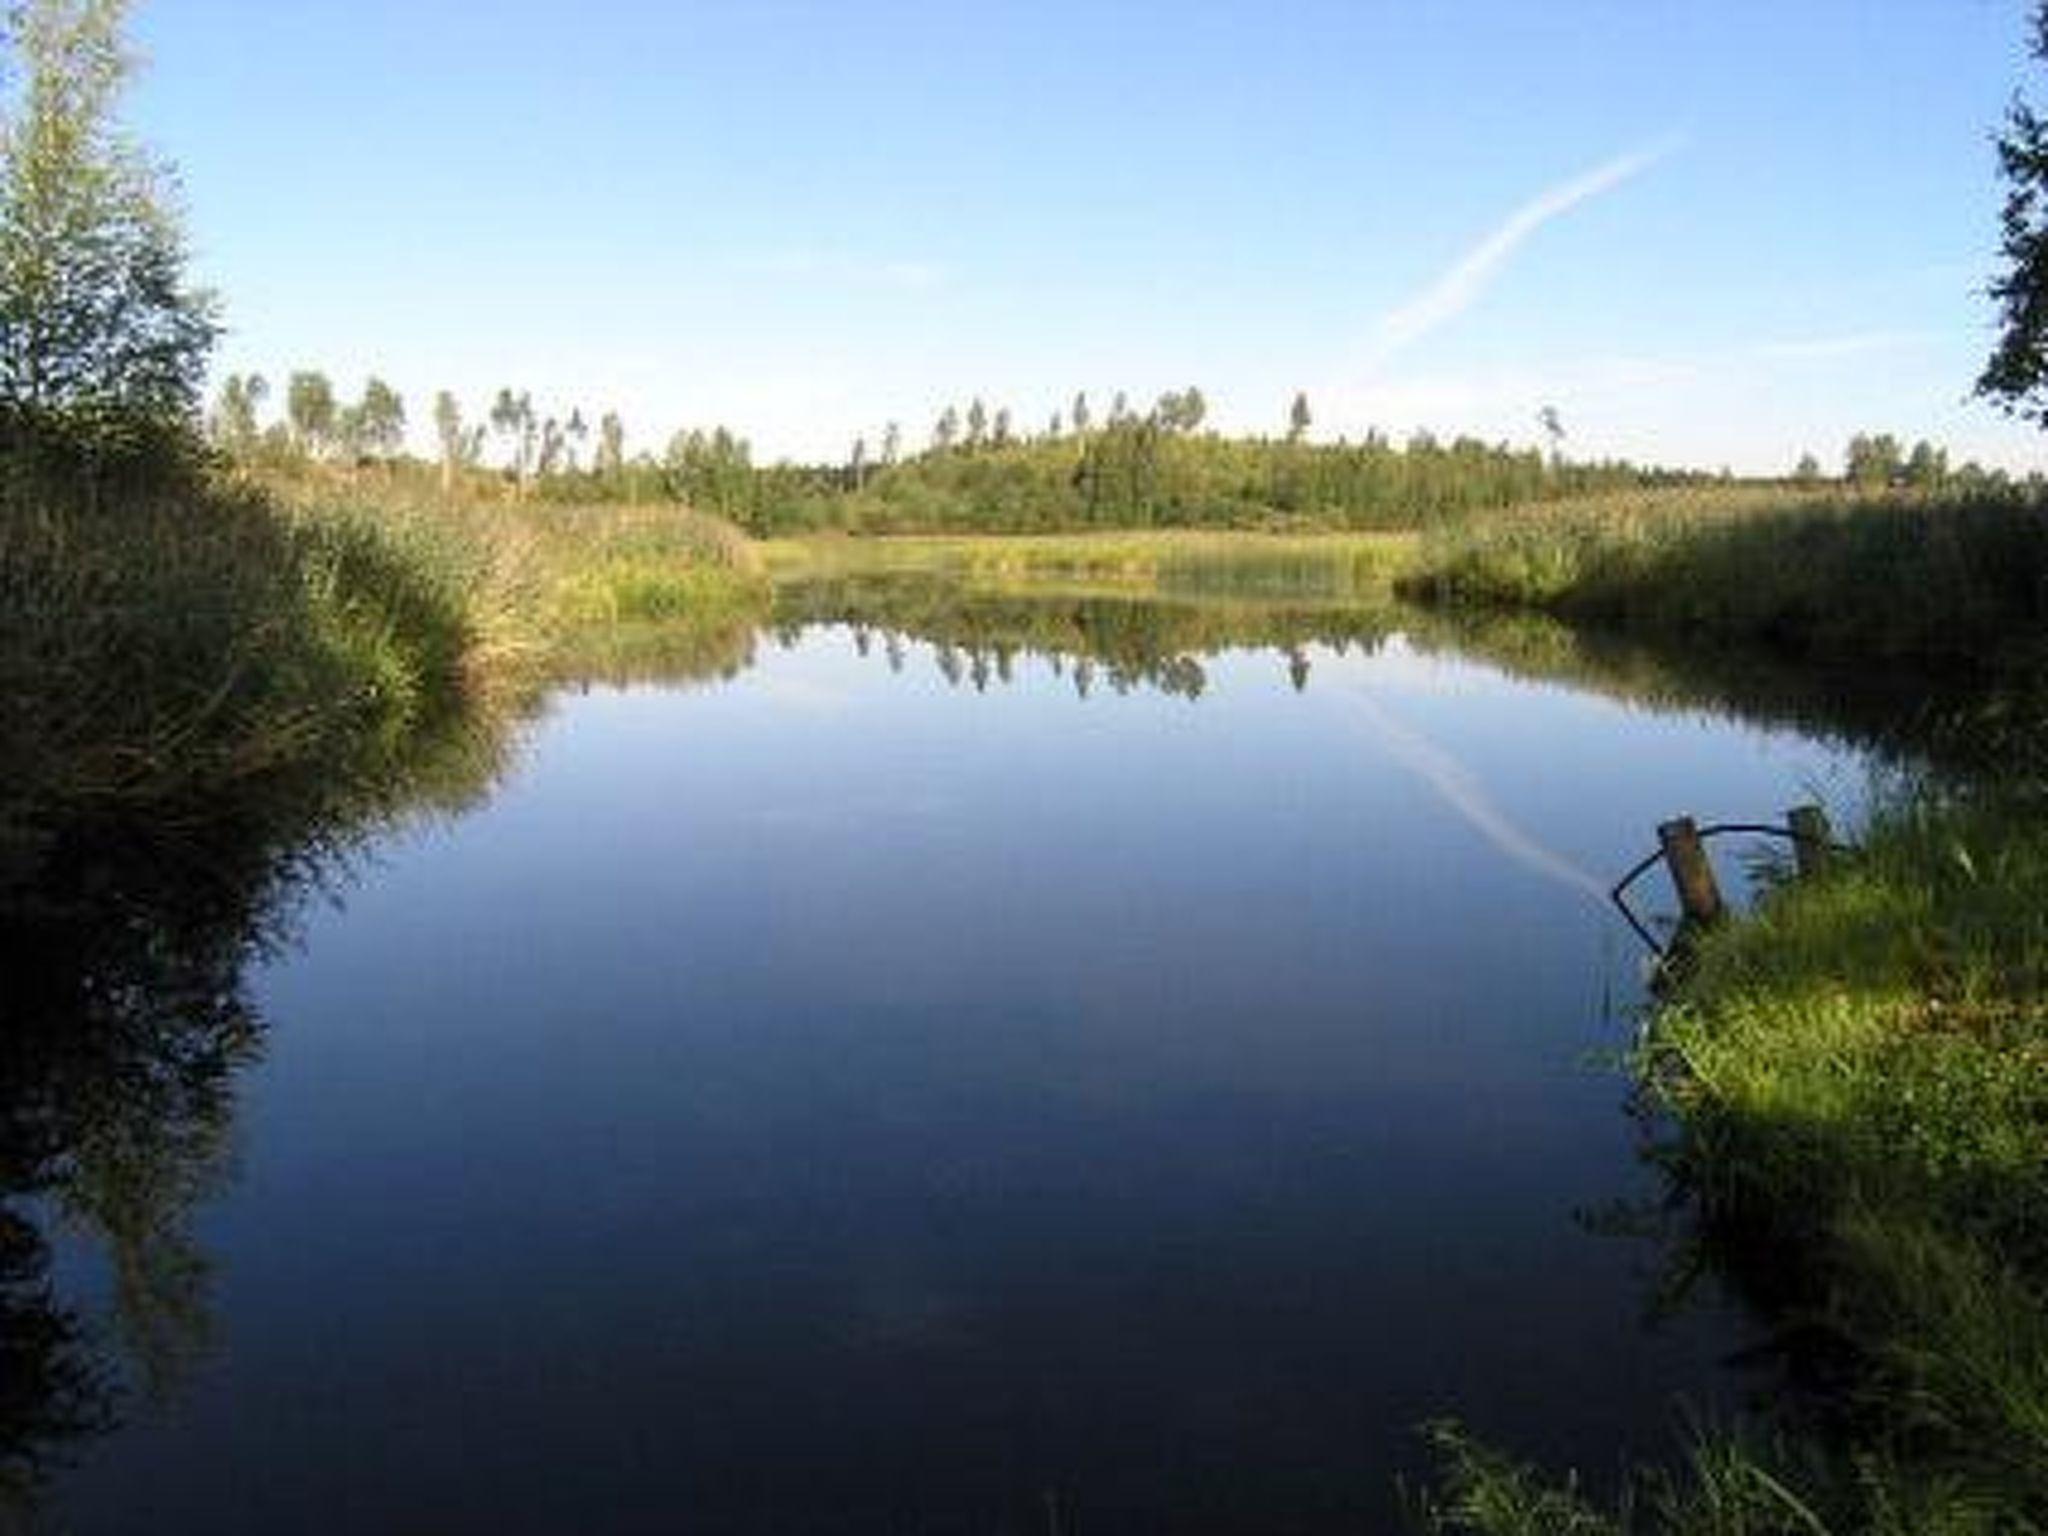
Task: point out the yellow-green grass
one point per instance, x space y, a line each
1862 1069
205 648
1855 1077
1929 581
547 583
1243 565
1855 1080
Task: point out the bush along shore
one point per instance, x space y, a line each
184 649
1930 581
1851 1081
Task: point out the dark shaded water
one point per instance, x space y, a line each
899 1090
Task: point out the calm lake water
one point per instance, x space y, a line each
848 1098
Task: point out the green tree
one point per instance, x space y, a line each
577 430
1807 472
101 334
1180 410
310 408
1873 460
1079 414
381 419
348 434
977 423
712 473
2017 374
235 428
946 430
611 444
512 419
461 445
1926 467
1298 418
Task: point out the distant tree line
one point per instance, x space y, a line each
977 470
317 426
1876 461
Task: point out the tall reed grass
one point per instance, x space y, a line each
200 647
191 642
1937 581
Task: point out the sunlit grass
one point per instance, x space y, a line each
1873 580
1855 1076
1856 1081
206 647
1243 565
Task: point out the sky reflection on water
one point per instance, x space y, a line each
846 1100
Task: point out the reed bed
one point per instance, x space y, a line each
202 647
1932 580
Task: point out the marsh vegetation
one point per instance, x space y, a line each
1082 1098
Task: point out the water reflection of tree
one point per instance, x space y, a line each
1949 723
1121 641
52 1388
673 654
126 1025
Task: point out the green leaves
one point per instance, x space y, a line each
101 335
2016 376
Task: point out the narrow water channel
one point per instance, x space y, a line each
908 1087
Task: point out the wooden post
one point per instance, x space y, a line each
1691 875
1812 840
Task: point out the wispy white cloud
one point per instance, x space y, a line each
1828 348
1460 285
844 267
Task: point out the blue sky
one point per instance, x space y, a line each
1709 234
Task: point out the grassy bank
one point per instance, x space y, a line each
204 649
550 587
1855 1077
1861 1077
189 642
1233 564
1856 1081
1948 582
209 693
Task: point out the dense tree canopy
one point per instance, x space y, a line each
2017 374
101 335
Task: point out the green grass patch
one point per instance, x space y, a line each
547 583
205 649
1855 1084
1948 582
1288 566
1854 1077
194 640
